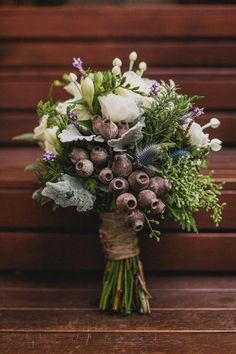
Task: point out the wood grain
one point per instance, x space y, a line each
82 250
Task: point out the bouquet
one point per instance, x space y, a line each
130 148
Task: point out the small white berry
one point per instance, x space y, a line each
117 62
133 56
116 70
215 123
216 144
142 66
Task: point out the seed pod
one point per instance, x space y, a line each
105 176
96 123
159 208
118 185
78 154
138 180
147 199
108 130
123 127
99 156
126 202
136 220
84 168
159 186
121 165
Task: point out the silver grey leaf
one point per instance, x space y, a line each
73 134
69 192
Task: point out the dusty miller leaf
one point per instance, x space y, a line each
69 192
131 137
73 134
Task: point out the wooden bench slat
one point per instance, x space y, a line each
69 251
125 22
168 53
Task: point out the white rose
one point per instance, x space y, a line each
51 142
139 99
117 108
39 131
197 137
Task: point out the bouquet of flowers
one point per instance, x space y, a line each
131 149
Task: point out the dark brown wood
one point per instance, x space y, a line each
79 250
151 343
142 22
191 83
155 53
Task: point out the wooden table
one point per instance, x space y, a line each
56 313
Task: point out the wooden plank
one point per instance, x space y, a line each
28 214
15 123
94 343
93 320
218 90
68 251
86 280
88 298
124 22
155 53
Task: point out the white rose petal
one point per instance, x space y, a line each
139 99
117 108
216 144
197 137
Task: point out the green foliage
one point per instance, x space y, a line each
162 119
34 167
91 184
191 191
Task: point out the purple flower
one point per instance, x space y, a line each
198 112
49 156
77 63
154 89
72 117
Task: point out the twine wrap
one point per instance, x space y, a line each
119 240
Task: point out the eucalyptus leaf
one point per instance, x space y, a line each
72 134
69 191
25 137
131 137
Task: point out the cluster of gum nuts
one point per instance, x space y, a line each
133 190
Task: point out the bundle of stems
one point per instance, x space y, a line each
124 289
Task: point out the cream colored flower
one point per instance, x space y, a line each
117 108
87 89
197 137
39 131
51 142
216 144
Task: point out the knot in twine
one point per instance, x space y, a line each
119 240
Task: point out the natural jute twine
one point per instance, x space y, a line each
119 240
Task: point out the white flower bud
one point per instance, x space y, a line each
116 70
215 123
117 62
216 144
142 66
87 89
72 77
133 56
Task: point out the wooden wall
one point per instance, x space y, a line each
194 45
